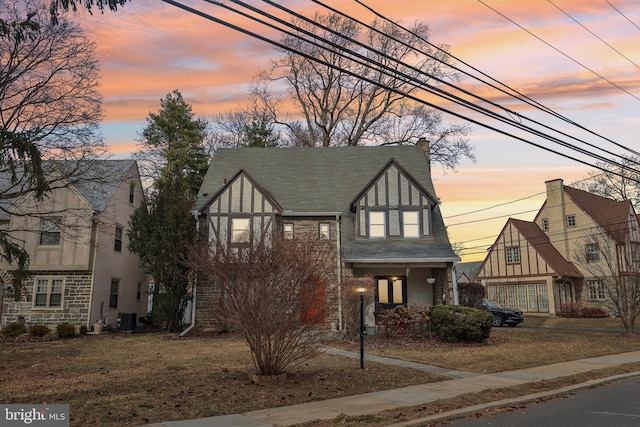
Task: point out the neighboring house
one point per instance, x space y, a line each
81 269
375 205
466 271
542 265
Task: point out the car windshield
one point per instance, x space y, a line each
489 303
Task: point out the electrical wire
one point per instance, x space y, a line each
410 79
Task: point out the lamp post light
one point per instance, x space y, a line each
361 292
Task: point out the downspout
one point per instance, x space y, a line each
339 257
93 247
195 288
454 281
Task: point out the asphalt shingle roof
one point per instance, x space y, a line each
326 180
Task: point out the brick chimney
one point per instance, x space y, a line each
424 145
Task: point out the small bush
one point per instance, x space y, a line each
13 330
453 323
83 330
405 320
38 330
577 310
65 330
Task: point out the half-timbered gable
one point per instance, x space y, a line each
393 205
240 211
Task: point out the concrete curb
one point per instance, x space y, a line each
464 412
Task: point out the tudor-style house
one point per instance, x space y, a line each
81 269
577 244
376 206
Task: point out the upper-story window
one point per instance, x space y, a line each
287 230
545 224
411 224
50 231
377 224
571 220
132 192
513 255
592 252
324 231
240 230
117 244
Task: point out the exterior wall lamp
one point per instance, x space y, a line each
431 280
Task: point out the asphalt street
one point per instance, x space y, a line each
611 405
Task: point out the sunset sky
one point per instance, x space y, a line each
586 71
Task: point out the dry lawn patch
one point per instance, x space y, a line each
126 380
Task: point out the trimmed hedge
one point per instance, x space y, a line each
39 330
65 330
459 323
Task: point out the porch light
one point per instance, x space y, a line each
431 280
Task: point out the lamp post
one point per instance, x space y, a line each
361 292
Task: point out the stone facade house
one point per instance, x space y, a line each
81 269
376 206
562 257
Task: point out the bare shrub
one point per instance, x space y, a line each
411 320
471 294
271 291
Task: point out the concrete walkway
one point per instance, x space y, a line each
461 383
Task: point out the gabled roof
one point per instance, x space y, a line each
312 179
469 269
611 215
324 182
539 240
95 180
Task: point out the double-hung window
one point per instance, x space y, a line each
50 231
287 230
240 230
48 292
324 231
377 224
513 255
117 244
113 293
571 220
411 224
596 290
592 252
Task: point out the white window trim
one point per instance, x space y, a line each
48 293
416 224
236 229
511 253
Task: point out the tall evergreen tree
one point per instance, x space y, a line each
162 232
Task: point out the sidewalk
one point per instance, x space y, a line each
461 383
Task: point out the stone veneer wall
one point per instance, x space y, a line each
208 294
75 302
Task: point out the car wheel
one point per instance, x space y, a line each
498 320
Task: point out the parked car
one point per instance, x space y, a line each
502 315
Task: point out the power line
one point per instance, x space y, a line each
389 72
595 35
560 52
527 100
623 15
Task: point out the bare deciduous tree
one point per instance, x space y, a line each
349 103
608 182
50 109
273 293
613 264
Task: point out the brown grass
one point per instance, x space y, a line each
125 380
